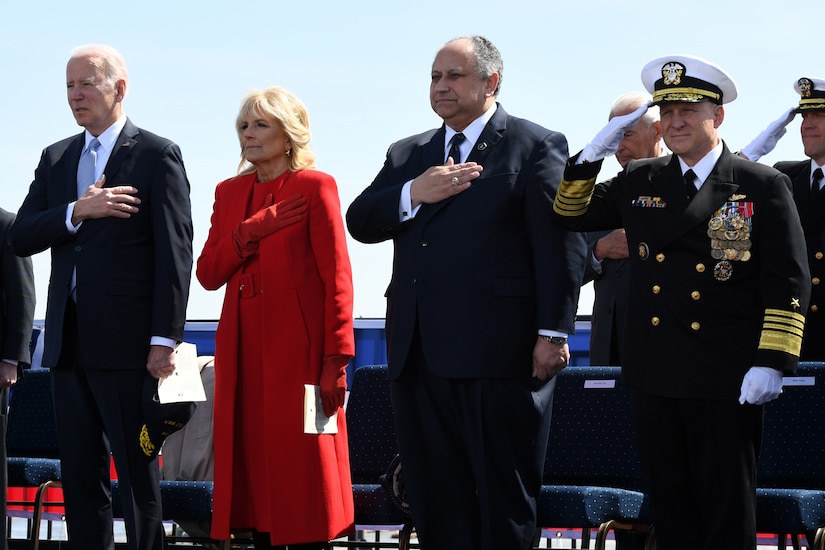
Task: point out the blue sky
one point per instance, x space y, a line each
362 68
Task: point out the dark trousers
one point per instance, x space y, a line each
699 458
473 453
98 413
4 474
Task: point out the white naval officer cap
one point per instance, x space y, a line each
812 92
687 78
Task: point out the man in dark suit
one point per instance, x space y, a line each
608 267
807 180
719 285
482 297
121 251
16 320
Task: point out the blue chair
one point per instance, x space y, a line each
31 443
372 447
790 498
592 477
180 500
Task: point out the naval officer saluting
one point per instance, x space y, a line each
719 286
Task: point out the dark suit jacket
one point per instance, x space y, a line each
132 274
16 319
17 295
610 303
812 215
695 327
480 272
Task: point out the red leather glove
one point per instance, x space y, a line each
333 383
266 221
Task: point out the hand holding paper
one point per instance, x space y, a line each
185 383
333 383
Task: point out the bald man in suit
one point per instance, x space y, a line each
483 294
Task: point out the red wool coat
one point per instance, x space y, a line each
302 486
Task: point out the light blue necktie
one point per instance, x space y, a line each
85 177
86 167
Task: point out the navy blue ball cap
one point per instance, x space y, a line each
160 420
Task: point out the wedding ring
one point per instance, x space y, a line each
454 181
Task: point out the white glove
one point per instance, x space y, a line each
760 385
767 140
607 140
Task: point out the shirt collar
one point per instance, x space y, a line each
704 167
109 136
814 166
474 129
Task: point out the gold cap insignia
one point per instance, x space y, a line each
672 73
806 87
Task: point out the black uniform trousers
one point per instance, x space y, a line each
699 457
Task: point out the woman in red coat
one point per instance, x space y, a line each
277 242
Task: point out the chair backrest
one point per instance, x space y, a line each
31 430
794 429
591 432
370 424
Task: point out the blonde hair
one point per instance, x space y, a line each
281 106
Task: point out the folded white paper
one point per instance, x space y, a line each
315 421
185 383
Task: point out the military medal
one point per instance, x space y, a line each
723 270
729 229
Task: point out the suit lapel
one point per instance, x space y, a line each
433 152
811 210
74 151
123 146
490 136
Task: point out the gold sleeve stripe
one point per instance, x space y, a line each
782 331
573 197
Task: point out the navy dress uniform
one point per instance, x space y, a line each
719 284
810 203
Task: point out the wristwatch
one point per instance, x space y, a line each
555 340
